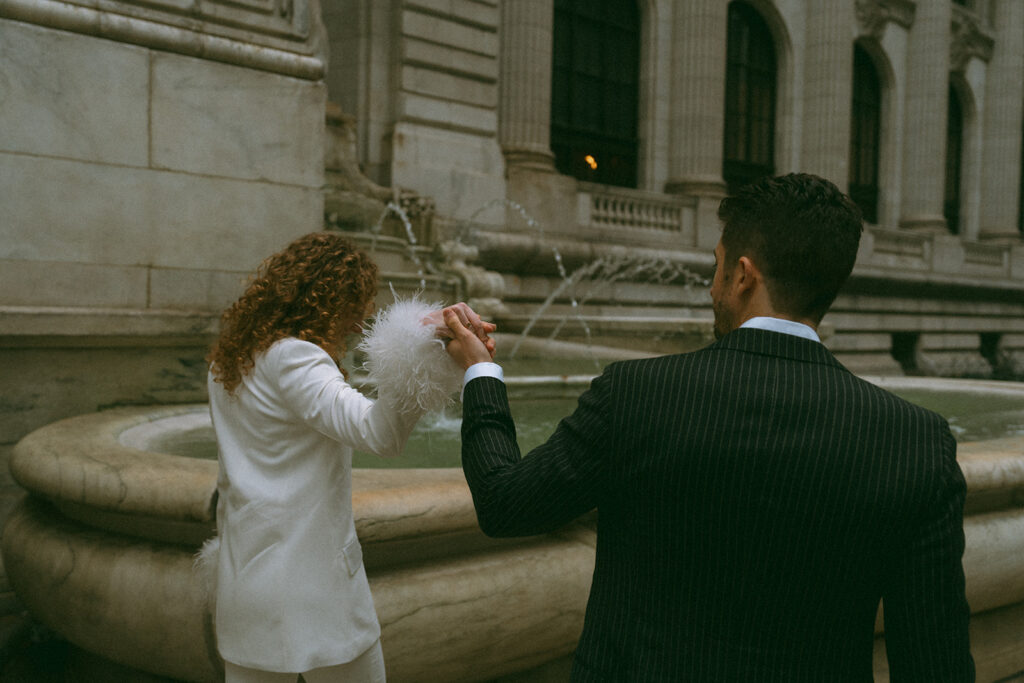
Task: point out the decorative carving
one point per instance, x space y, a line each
483 289
354 202
873 15
968 40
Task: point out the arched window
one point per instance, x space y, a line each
750 85
595 90
864 134
954 158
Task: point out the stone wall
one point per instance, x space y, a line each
149 160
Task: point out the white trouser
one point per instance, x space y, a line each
366 668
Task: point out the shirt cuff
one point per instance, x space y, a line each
482 370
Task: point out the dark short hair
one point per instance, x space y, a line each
801 231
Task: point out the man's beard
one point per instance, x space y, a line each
721 326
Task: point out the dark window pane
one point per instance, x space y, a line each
750 91
954 151
595 89
866 116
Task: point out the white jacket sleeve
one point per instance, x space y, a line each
407 361
313 388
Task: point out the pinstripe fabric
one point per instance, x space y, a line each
755 500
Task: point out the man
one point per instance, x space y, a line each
755 499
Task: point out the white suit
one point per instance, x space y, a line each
291 591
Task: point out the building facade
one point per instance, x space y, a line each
622 124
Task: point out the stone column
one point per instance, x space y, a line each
697 98
524 95
828 90
924 124
1004 107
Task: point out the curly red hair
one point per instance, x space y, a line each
313 290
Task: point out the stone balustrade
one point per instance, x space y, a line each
886 251
639 216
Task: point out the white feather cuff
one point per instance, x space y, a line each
204 564
407 361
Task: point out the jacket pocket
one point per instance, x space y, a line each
254 531
352 554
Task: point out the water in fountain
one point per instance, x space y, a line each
532 223
376 228
602 272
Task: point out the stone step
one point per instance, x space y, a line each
538 288
660 334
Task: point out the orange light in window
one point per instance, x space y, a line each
591 162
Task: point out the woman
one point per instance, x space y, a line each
291 594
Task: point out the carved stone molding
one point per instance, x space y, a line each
873 15
968 39
283 36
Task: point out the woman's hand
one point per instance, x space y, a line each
469 319
466 347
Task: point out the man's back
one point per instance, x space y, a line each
755 501
764 500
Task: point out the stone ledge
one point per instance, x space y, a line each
47 326
156 30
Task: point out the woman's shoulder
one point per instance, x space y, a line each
294 346
291 351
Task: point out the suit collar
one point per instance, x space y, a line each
779 344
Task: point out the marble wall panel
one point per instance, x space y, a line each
462 172
457 35
444 58
448 114
470 11
120 216
68 95
55 283
223 120
180 288
447 86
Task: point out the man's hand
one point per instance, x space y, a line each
467 316
465 347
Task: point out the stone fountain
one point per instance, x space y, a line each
101 550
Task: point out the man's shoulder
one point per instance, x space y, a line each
897 404
659 365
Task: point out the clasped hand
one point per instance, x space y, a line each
468 336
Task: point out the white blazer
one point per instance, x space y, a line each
291 592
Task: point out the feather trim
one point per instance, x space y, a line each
407 361
204 565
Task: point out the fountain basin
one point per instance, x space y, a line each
101 552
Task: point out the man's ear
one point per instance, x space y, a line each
747 273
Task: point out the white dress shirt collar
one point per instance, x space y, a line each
784 326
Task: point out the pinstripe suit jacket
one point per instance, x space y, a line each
755 502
